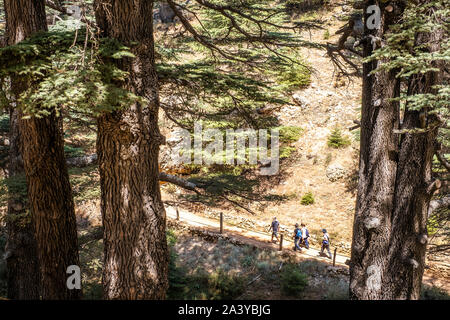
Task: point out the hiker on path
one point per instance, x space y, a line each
305 236
297 237
326 243
275 226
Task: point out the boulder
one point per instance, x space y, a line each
299 100
335 172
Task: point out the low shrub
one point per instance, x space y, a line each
433 293
293 281
307 199
337 140
290 133
337 289
294 76
224 286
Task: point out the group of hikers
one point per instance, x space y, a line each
301 235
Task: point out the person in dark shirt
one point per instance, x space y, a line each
297 237
275 226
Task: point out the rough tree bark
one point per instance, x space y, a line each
377 171
22 20
413 189
395 187
49 191
134 219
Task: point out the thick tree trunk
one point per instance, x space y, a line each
21 248
413 190
49 190
23 18
51 204
394 191
377 172
136 254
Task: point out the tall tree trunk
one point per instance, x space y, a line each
22 261
414 188
395 186
51 203
136 254
49 191
377 170
23 18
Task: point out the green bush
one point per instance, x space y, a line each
337 289
293 281
247 261
202 285
312 266
92 291
224 286
337 140
307 199
295 76
290 133
286 152
433 293
72 152
219 285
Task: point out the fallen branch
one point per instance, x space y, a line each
256 278
177 181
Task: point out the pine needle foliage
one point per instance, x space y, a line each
64 71
407 58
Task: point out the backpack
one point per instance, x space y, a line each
299 233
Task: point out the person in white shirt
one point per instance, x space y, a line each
326 243
305 236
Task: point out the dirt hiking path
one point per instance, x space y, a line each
262 240
256 238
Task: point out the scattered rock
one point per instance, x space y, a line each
335 172
301 101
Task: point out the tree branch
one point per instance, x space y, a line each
55 6
442 160
200 38
432 186
177 181
438 204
